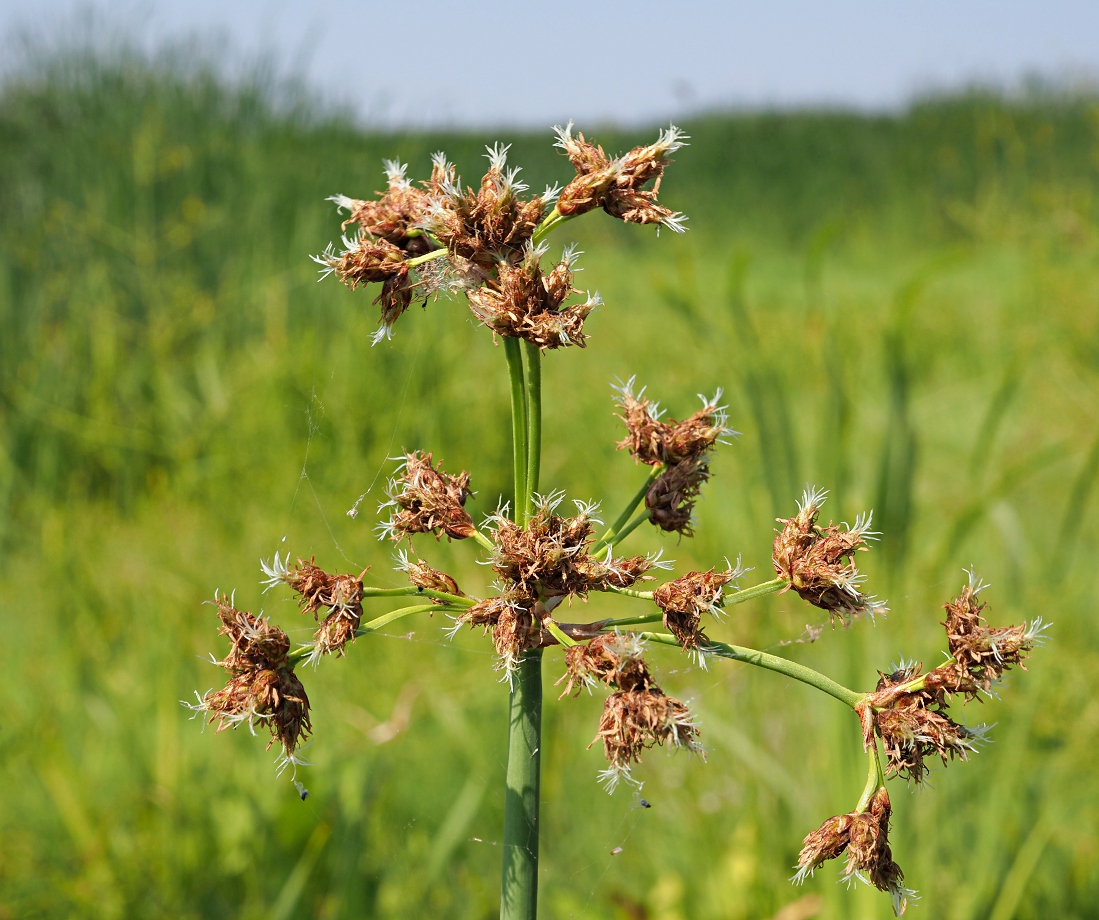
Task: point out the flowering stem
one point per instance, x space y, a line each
519 884
554 630
727 600
518 427
772 663
426 257
549 222
376 624
534 418
451 599
612 531
631 527
874 780
484 541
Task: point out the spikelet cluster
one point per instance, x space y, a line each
684 601
819 562
425 499
262 686
637 715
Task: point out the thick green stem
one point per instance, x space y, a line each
518 427
519 885
772 663
612 532
534 419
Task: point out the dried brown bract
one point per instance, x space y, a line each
864 835
653 441
524 303
262 686
819 562
672 496
686 599
427 500
619 186
549 556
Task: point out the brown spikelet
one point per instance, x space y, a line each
426 499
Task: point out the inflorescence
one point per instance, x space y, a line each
418 241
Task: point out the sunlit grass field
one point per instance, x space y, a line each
903 310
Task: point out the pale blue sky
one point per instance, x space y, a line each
433 62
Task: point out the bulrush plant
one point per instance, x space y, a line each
489 243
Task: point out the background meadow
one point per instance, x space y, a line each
902 309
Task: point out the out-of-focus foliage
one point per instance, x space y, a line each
904 310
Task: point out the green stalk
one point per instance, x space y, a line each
452 599
384 620
519 883
426 257
519 879
534 421
519 444
631 527
874 780
772 663
612 531
549 222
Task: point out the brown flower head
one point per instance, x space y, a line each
983 652
426 500
511 618
486 227
653 441
864 835
524 303
366 260
686 599
262 685
394 216
912 721
638 715
672 496
619 186
340 595
424 576
549 556
819 562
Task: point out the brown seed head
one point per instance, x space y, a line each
865 837
653 441
618 186
983 652
262 686
394 215
672 496
524 303
486 227
549 556
423 575
634 720
614 659
819 562
913 723
427 500
686 599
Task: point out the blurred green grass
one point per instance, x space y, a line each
902 309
